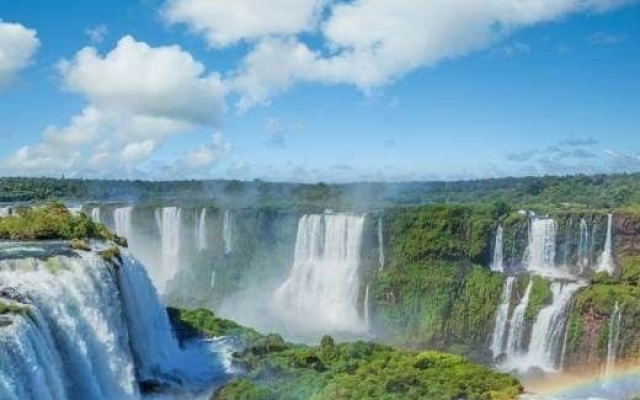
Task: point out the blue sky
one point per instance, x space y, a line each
309 90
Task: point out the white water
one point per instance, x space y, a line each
567 243
516 326
380 245
540 254
498 265
95 215
91 334
612 346
212 282
366 307
502 318
548 330
583 246
606 260
322 288
201 230
227 232
5 211
170 223
122 222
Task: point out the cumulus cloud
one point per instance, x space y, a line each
224 23
371 43
137 96
207 155
18 44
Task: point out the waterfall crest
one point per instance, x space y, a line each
322 287
498 265
93 332
502 315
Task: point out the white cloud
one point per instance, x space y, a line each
227 22
97 33
138 97
18 44
135 152
371 43
207 155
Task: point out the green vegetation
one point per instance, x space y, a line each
539 297
280 371
52 221
13 308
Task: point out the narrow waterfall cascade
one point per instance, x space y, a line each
612 345
606 259
323 284
90 333
122 222
547 335
540 255
227 231
380 245
583 246
170 222
498 265
95 214
567 244
212 282
366 307
594 232
502 318
201 230
5 211
516 326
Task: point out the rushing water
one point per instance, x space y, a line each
540 254
497 265
227 231
583 246
322 288
170 224
380 245
96 215
612 345
91 333
606 260
516 325
201 230
122 222
502 318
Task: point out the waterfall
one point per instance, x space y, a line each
502 315
169 220
212 282
95 214
548 330
201 230
367 321
612 345
594 232
583 246
497 264
516 326
606 260
227 231
540 255
380 245
567 243
91 333
323 284
122 220
5 211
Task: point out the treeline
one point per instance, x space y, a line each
591 191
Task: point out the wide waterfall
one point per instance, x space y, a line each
90 333
612 345
169 221
606 260
516 325
380 245
201 230
323 284
122 222
540 255
502 318
498 265
548 330
227 231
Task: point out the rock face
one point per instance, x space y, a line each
626 235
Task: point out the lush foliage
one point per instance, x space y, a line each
52 221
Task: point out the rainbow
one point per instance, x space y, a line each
624 383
